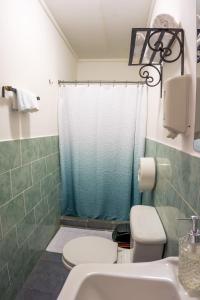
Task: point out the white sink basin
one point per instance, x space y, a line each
137 281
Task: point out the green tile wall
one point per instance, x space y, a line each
29 207
177 191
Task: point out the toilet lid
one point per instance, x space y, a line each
90 249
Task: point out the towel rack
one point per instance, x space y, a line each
10 89
154 41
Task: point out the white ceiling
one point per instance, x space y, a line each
100 28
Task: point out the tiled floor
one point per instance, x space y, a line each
46 280
65 234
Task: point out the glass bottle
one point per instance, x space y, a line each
189 259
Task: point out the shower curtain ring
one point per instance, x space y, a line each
126 83
100 83
75 83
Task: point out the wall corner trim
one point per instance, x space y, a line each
57 27
151 13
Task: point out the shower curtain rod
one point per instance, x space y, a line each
99 82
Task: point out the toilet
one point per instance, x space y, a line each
147 242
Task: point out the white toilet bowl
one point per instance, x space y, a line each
147 240
89 249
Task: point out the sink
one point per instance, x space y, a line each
136 281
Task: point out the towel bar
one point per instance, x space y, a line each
10 89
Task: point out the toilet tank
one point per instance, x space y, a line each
147 234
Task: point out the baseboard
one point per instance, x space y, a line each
89 223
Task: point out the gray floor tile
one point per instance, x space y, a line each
46 280
28 294
52 256
47 277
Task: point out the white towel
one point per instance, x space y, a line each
25 101
161 21
164 21
198 21
139 41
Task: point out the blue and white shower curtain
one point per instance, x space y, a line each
102 133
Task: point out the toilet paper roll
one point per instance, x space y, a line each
147 174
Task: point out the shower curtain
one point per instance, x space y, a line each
102 132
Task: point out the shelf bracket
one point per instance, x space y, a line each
156 50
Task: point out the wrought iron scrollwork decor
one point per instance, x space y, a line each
150 79
166 51
156 41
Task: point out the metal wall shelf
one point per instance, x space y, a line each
156 49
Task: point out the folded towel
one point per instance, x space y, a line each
161 21
198 22
164 21
139 41
25 101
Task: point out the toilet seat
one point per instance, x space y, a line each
89 249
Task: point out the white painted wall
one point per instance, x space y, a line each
32 52
184 12
102 69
